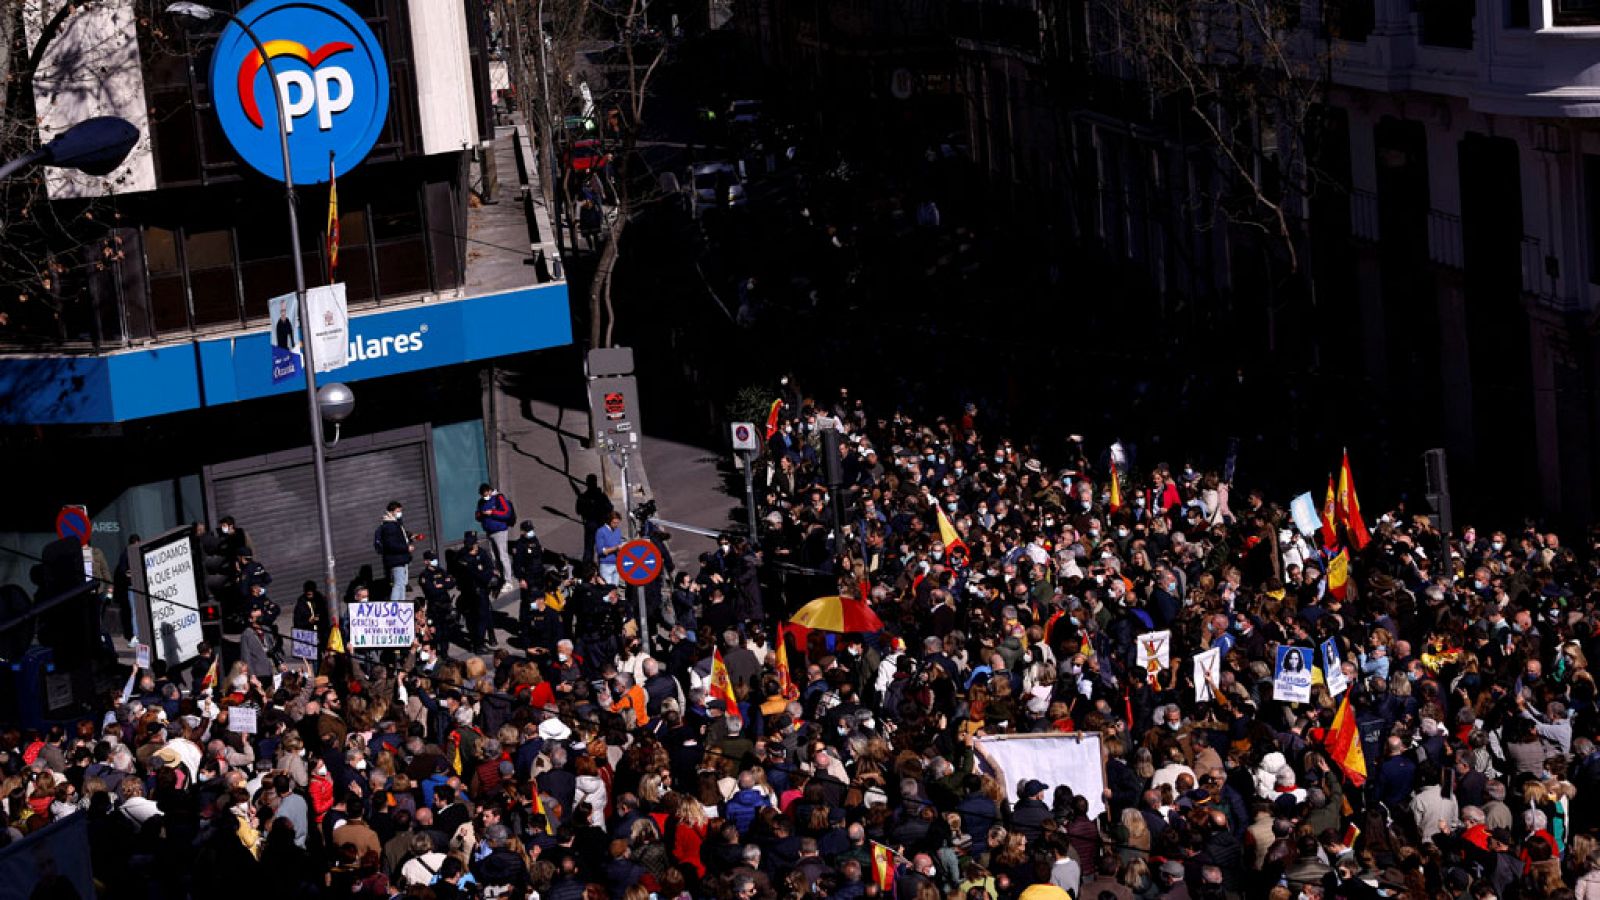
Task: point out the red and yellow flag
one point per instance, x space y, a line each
335 639
953 544
1350 507
1330 517
1339 574
333 223
538 807
210 679
882 866
791 691
722 686
1116 489
1344 743
772 418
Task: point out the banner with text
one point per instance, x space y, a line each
330 327
381 625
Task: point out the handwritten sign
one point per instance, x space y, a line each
303 643
1207 669
379 625
1155 651
242 719
141 655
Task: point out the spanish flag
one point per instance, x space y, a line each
947 535
1330 517
455 754
1350 507
722 686
335 640
1116 489
1339 574
538 807
882 867
333 222
772 418
210 679
1344 744
791 691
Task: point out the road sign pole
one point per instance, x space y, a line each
627 528
750 494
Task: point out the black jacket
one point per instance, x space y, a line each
396 544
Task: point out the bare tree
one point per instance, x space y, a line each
1252 77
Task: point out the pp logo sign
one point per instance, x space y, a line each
332 83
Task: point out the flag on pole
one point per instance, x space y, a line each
722 686
1344 743
211 677
772 418
1116 489
333 222
1350 507
1339 574
791 691
1330 517
882 867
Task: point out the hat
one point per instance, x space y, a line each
527 524
1032 787
554 730
1172 868
168 757
468 539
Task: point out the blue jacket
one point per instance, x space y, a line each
496 513
743 806
1395 779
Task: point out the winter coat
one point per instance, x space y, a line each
743 807
591 789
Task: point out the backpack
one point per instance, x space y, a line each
511 511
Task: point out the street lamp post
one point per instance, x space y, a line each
319 458
95 146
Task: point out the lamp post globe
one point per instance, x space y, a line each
336 402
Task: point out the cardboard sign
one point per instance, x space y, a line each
242 719
1155 651
141 655
303 643
381 625
1207 665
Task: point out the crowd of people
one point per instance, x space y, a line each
590 758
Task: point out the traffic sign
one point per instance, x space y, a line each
639 562
744 436
73 522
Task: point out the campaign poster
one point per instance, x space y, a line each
384 624
330 327
1292 680
1332 668
1207 669
1155 651
284 310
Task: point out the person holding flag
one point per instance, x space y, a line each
1355 528
720 686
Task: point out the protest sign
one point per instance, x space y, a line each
1292 681
1332 670
1155 651
1207 665
1072 759
385 624
242 719
303 643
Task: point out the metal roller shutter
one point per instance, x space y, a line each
274 500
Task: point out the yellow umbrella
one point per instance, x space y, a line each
1045 892
838 614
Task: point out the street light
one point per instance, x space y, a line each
95 146
319 458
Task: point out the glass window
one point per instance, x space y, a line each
169 303
209 255
462 464
1577 12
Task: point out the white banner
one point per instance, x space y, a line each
169 577
377 625
242 719
1054 759
303 643
1155 651
1207 665
330 327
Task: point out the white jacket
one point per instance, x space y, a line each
592 790
1266 775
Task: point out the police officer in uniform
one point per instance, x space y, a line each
436 586
477 576
527 567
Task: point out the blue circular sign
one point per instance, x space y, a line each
638 562
332 78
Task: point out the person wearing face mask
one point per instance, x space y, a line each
393 544
436 584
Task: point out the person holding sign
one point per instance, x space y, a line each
1292 683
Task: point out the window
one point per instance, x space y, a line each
212 285
1517 13
1446 23
169 304
1577 12
1591 197
1349 20
397 240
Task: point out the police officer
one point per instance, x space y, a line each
600 627
436 586
542 626
477 574
527 567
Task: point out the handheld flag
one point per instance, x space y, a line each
772 418
333 223
1344 744
538 807
721 687
882 867
1116 489
791 691
335 640
954 547
211 677
1350 507
1330 516
1339 574
455 754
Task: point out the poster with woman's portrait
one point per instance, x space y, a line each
1292 681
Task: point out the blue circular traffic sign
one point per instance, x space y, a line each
639 562
332 78
73 522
